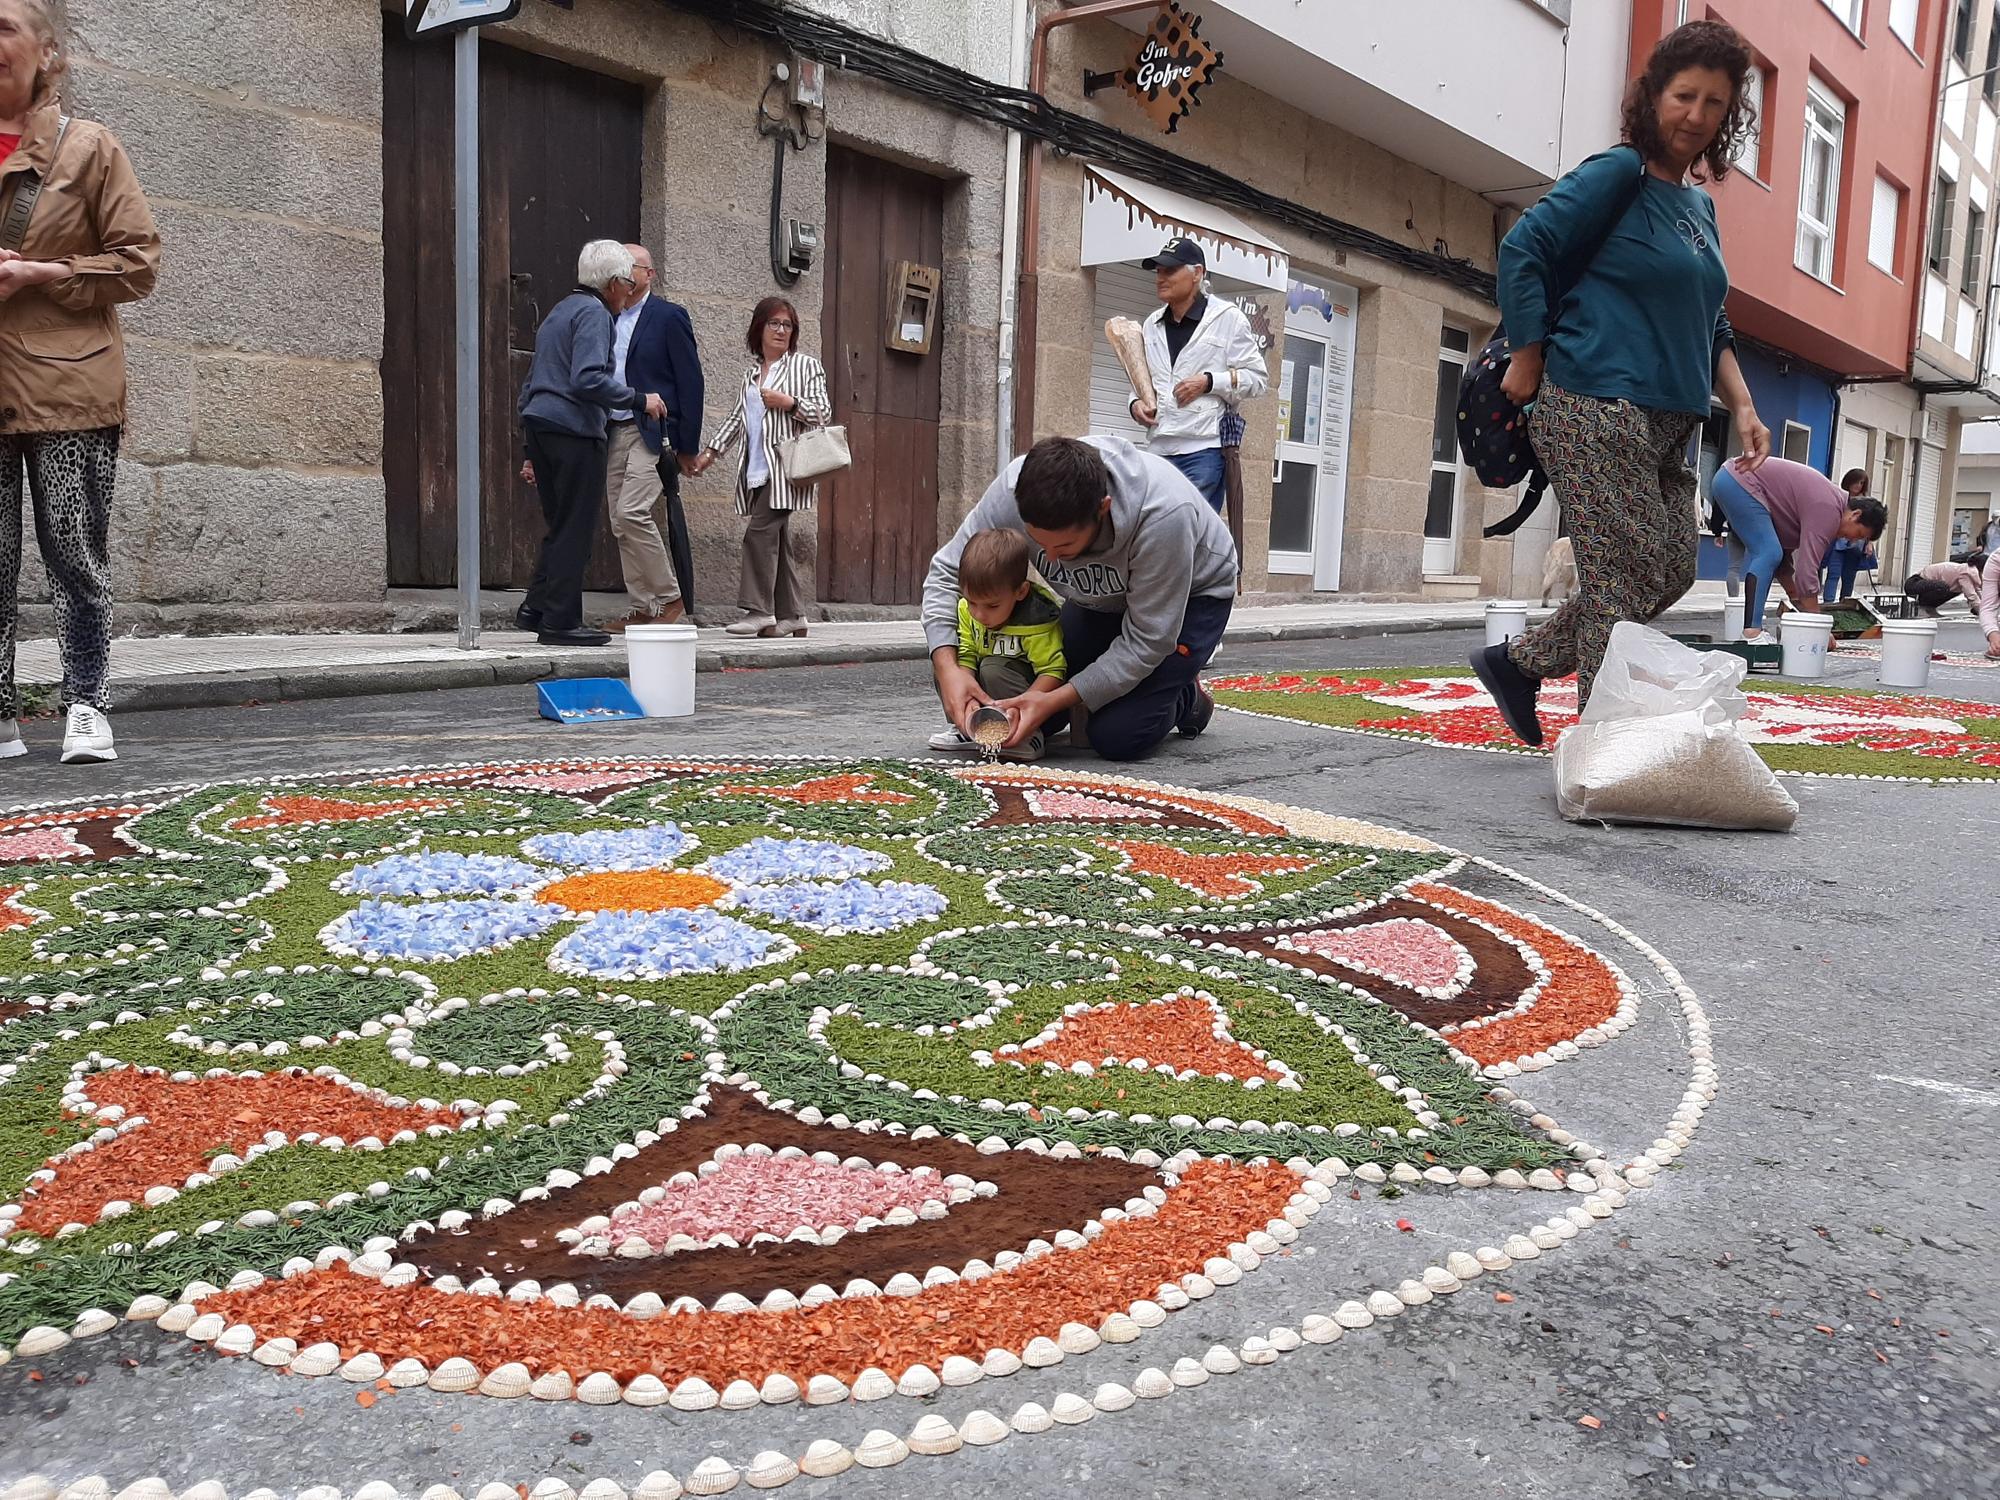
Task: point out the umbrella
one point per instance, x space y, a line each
679 547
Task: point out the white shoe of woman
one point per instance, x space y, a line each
751 625
10 740
87 738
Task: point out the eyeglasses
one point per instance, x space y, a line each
781 325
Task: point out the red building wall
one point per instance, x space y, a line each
1864 323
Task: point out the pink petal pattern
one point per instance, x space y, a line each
42 843
749 1195
572 781
1065 807
1402 950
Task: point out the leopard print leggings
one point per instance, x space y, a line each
71 476
1628 499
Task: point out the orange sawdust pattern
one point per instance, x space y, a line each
1582 991
1180 1031
187 1123
852 787
634 890
12 916
1218 875
1234 817
1217 1203
70 819
290 812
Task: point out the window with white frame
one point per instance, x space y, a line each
1849 12
1961 33
1990 84
1885 225
1903 20
1819 182
1975 250
1749 153
1944 199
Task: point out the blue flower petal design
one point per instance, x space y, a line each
847 906
436 931
612 848
430 874
765 860
661 944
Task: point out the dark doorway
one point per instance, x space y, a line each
559 165
878 526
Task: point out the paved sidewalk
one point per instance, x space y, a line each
160 672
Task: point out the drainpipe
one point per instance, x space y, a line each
1025 330
1010 249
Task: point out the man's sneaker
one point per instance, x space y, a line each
1201 713
88 737
1513 691
10 740
1029 749
946 740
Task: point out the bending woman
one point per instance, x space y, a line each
1611 291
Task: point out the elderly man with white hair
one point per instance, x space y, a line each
571 390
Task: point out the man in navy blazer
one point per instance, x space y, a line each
654 352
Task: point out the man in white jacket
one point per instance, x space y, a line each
1204 360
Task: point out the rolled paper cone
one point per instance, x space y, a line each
1128 342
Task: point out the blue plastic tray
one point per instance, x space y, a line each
588 700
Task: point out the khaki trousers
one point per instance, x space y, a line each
769 584
633 494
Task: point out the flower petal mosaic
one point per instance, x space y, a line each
1798 729
707 1084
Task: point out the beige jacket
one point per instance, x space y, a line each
796 375
62 357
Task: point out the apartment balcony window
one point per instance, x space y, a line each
1849 12
1885 225
1819 182
1944 199
1975 251
1990 86
1961 34
1903 21
1749 154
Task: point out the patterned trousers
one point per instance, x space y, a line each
71 476
1628 498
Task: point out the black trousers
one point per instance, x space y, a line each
569 478
1928 592
1135 725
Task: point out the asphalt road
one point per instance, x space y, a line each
1806 1308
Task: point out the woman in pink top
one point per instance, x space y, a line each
1785 517
1937 585
1989 604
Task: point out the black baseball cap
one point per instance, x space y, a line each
1179 251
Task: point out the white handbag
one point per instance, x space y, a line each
815 452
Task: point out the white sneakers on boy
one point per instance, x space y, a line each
87 737
948 739
10 739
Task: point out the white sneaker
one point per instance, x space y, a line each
88 737
948 739
751 625
1029 749
10 739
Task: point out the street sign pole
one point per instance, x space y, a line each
465 157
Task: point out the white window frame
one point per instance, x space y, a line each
1848 12
1813 251
1441 553
1885 237
1903 21
1784 447
1749 154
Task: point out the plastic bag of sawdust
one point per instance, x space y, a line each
1660 742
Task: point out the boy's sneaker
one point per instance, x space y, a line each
87 739
1029 749
949 739
1513 691
10 739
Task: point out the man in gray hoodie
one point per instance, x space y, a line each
1147 575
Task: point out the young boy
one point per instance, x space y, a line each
1009 630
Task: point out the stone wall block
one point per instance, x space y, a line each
201 150
264 411
263 287
159 402
317 56
222 535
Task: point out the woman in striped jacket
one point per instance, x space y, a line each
783 393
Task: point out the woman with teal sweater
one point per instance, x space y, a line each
1611 293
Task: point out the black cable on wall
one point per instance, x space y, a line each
853 51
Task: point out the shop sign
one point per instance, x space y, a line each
1173 65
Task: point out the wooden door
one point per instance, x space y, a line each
559 165
878 524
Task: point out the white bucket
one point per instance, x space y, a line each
1504 621
1805 637
660 659
1906 653
1732 618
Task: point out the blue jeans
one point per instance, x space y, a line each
1753 544
1135 725
1204 470
1842 563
